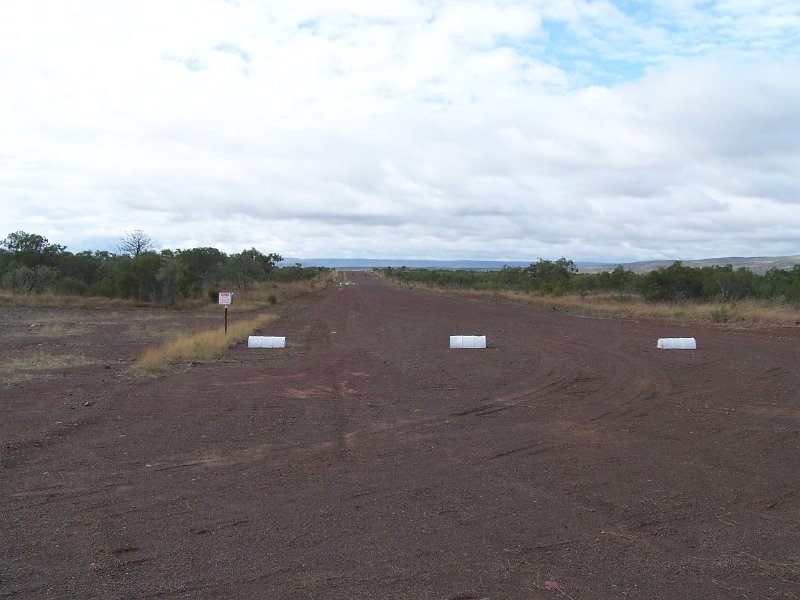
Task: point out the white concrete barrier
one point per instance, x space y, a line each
468 341
261 341
677 344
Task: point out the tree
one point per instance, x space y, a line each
780 283
622 279
45 279
171 276
549 276
203 266
136 277
250 265
135 243
672 284
31 249
84 266
21 242
728 285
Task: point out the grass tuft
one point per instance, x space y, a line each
204 345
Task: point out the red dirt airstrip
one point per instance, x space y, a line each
570 459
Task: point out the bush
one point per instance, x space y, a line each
19 279
272 299
720 315
105 287
72 286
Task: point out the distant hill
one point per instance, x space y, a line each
757 264
760 264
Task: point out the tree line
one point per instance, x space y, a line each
671 284
29 263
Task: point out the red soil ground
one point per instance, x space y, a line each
570 459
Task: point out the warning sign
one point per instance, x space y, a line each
225 298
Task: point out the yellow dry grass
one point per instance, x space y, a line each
748 312
744 312
203 345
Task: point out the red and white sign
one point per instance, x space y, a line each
225 298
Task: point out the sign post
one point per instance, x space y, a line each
226 298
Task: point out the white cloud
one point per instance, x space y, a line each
407 128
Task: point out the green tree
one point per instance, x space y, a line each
672 284
204 267
249 266
782 284
31 249
136 277
551 276
727 285
21 242
171 278
45 279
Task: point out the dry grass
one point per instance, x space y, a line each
63 301
746 312
204 345
258 296
37 365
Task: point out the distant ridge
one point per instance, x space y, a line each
758 264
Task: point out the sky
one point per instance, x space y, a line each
603 130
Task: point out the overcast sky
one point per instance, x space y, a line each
496 129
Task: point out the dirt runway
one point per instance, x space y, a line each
569 459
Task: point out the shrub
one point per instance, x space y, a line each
72 286
720 315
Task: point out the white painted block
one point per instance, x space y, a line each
262 341
677 343
468 341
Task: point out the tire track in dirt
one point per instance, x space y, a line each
559 375
368 460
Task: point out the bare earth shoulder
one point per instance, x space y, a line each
570 459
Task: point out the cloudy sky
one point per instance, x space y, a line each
494 129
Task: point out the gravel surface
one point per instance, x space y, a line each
569 459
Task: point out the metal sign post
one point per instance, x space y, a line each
226 299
